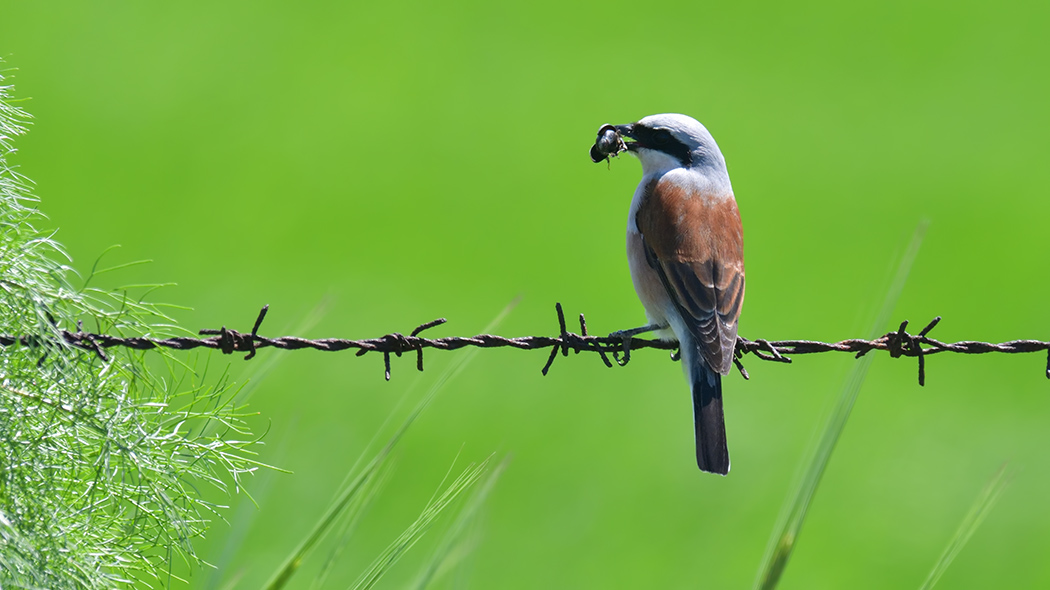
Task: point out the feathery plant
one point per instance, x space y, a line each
103 460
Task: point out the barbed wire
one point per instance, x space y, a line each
898 344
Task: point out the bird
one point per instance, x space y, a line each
685 250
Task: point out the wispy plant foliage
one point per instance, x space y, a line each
104 462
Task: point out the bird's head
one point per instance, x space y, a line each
669 141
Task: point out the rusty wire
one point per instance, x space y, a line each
898 344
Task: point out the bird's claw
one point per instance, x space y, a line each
625 336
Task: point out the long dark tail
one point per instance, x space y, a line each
712 454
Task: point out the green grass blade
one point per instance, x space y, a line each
349 526
456 544
417 529
982 505
785 535
358 484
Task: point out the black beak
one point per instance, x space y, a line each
628 132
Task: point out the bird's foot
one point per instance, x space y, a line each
626 336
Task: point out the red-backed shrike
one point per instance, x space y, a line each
685 248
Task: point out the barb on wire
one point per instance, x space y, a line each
898 344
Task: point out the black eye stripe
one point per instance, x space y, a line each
662 140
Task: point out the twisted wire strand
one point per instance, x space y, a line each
898 344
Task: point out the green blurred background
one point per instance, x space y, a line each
393 162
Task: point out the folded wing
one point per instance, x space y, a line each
695 243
